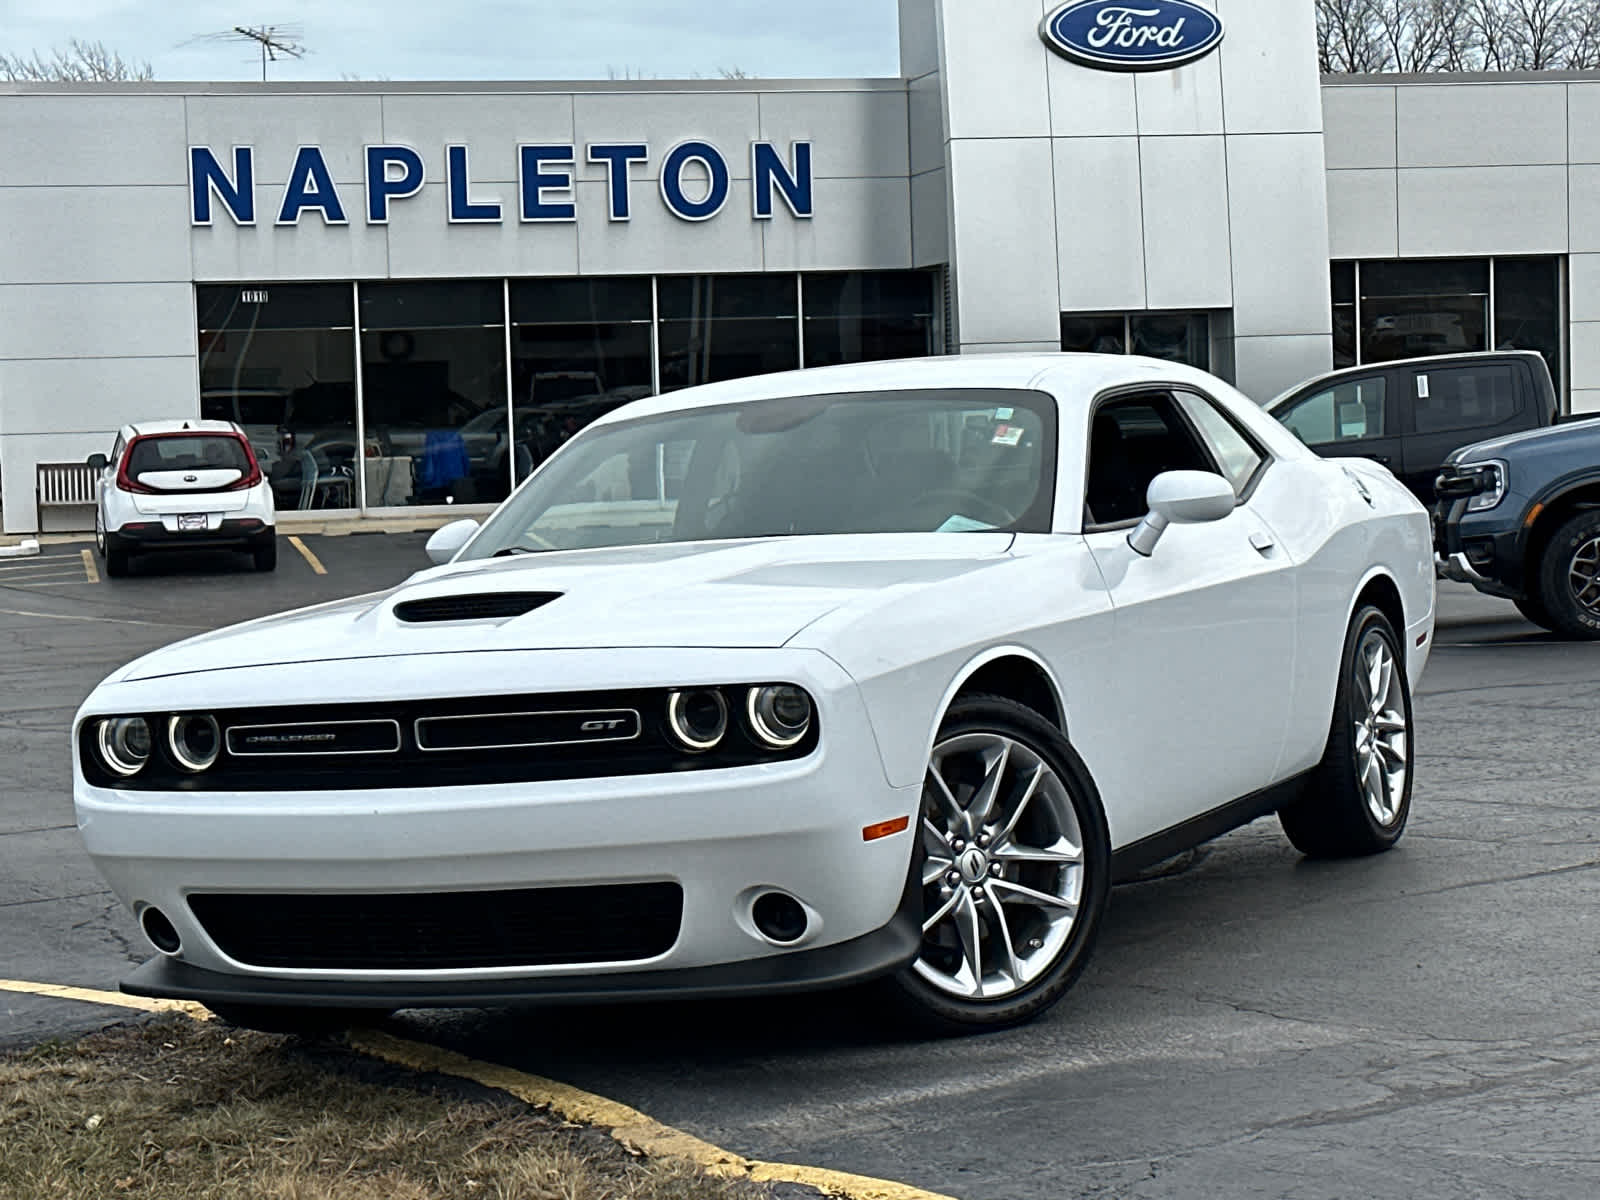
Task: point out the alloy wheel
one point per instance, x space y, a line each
1583 575
1381 730
1003 874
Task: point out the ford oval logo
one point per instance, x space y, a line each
1153 36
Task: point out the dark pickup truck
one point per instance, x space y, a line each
1519 517
1410 415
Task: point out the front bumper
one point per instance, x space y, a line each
724 836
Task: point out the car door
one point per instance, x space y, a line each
1351 417
106 480
1204 627
1450 407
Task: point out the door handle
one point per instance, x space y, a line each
1261 541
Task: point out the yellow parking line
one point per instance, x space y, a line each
629 1126
89 569
306 554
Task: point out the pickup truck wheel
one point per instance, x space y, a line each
1533 609
1568 576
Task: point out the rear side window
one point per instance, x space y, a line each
1465 398
199 452
1347 412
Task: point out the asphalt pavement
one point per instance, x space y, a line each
1419 1024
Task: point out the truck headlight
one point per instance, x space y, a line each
1493 474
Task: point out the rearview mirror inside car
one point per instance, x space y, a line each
449 539
1181 498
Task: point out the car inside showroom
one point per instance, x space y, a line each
409 294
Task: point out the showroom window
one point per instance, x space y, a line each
1413 308
863 316
279 359
1183 337
579 348
716 327
433 381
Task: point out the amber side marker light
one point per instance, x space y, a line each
885 829
1533 515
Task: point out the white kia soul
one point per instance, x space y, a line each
182 485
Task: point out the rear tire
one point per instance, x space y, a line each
1358 798
1567 578
117 560
304 1022
266 557
1014 860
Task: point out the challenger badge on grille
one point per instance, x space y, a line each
315 737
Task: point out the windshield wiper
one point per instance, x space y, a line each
513 550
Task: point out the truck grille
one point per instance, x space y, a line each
414 931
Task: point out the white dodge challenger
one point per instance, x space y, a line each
878 672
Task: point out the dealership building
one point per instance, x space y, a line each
409 294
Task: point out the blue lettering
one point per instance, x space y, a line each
767 168
672 191
310 186
459 180
382 187
207 176
535 180
618 157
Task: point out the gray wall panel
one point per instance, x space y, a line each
994 69
1584 356
730 121
1280 258
99 320
1009 291
55 395
63 140
930 219
1486 124
94 235
854 135
655 240
1583 287
870 229
1187 262
1583 182
1100 255
309 250
1583 122
1358 126
925 120
1453 211
421 242
1269 67
1188 100
493 126
1267 366
1363 214
1090 103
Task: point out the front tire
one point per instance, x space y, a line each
1015 867
1533 610
1567 578
1358 799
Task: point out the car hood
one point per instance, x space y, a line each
1496 447
729 595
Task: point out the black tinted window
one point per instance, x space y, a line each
1464 398
197 453
1130 443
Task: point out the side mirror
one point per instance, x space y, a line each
448 540
1181 498
97 462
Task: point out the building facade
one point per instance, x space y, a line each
410 294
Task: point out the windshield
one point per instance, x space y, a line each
948 460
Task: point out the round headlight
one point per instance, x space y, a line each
779 715
124 744
697 719
194 741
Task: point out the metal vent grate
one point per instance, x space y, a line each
487 606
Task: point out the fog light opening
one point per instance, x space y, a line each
161 932
780 917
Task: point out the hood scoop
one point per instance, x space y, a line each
480 606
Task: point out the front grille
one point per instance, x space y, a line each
483 607
414 931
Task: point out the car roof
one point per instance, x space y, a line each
193 425
1070 376
1438 361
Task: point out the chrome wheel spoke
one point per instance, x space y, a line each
934 839
935 869
1042 899
1381 729
969 926
943 911
1013 965
1583 574
984 799
943 798
1040 771
1062 854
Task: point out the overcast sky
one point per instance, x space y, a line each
478 39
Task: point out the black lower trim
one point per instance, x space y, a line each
864 958
230 535
1158 847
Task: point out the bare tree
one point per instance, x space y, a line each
1457 35
78 62
1347 40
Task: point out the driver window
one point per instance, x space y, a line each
1345 413
1131 441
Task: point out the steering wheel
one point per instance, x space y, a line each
968 504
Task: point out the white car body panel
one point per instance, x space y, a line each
1185 680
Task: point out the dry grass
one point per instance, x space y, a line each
179 1110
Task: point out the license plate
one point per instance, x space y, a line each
192 523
